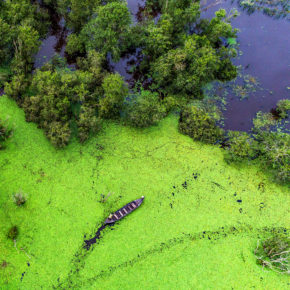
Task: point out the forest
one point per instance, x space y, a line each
83 105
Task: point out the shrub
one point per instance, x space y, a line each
240 145
19 199
87 123
263 121
145 110
5 133
16 88
59 134
199 125
275 150
283 108
274 253
115 91
74 45
13 233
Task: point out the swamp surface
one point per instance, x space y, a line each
200 220
197 228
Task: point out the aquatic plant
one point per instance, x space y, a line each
13 233
273 8
283 108
5 133
19 198
274 253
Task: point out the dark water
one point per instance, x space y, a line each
265 44
55 41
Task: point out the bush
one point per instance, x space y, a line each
74 45
87 123
16 88
274 148
199 125
59 134
145 110
273 253
240 145
283 108
115 91
263 121
5 133
13 233
19 199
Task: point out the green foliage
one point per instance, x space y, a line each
5 133
274 253
74 44
57 92
26 45
16 87
240 145
5 74
145 109
21 25
107 31
115 91
58 133
184 71
199 125
275 153
13 233
263 121
19 199
77 13
283 108
87 123
271 147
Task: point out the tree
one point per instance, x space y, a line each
87 123
240 146
283 108
199 125
115 91
26 45
145 109
184 71
106 31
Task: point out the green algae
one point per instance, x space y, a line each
197 227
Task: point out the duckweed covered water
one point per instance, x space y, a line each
197 228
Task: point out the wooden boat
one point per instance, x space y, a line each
124 211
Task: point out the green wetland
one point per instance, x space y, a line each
106 121
197 228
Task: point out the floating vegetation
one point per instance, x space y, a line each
274 253
243 87
273 8
19 199
13 233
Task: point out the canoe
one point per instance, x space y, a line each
124 211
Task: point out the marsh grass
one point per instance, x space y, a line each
19 198
274 253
